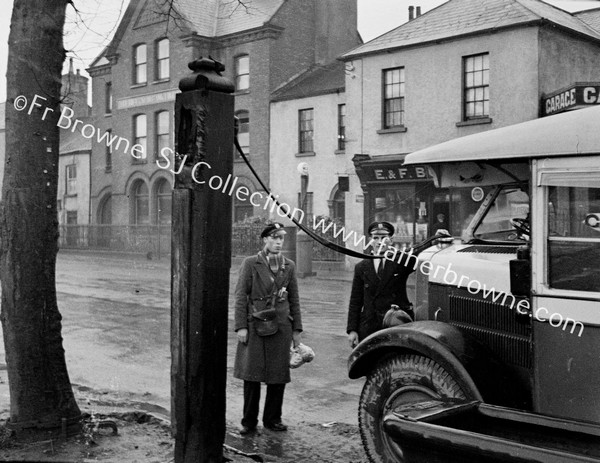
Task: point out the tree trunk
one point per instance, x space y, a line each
40 389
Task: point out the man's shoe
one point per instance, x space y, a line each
244 430
276 426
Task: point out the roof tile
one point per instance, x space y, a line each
590 17
317 81
459 17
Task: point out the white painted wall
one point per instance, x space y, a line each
324 167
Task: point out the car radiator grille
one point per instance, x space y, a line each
495 325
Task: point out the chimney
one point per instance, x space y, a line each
411 14
418 11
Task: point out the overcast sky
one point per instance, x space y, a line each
89 31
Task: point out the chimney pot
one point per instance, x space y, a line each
411 14
418 11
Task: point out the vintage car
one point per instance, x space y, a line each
502 362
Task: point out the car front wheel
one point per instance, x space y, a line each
396 380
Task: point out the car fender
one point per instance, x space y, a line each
468 361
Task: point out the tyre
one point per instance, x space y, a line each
399 379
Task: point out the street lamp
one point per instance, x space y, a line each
303 241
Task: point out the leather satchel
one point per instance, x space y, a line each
265 320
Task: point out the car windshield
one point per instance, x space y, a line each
507 219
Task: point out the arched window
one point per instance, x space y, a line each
244 131
105 221
105 212
163 202
162 59
141 207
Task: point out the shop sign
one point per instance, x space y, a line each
576 96
385 173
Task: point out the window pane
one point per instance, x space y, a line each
470 95
163 203
140 131
469 80
574 238
163 122
163 49
469 65
163 69
470 109
243 65
496 224
140 74
242 72
140 54
140 125
141 204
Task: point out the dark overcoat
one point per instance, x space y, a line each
266 358
371 297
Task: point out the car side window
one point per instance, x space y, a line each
574 236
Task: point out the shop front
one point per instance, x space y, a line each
406 197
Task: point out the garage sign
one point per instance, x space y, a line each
574 97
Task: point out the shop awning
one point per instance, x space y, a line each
573 132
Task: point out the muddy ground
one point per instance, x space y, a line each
116 318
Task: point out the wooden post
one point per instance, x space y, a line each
200 262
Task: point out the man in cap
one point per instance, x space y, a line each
266 281
377 285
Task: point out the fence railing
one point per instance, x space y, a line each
145 239
156 239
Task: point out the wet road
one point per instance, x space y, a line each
116 318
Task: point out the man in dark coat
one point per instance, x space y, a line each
266 359
375 289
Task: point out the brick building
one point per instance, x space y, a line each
135 79
461 68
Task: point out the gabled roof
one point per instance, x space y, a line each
235 18
462 17
73 142
319 80
206 18
590 17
